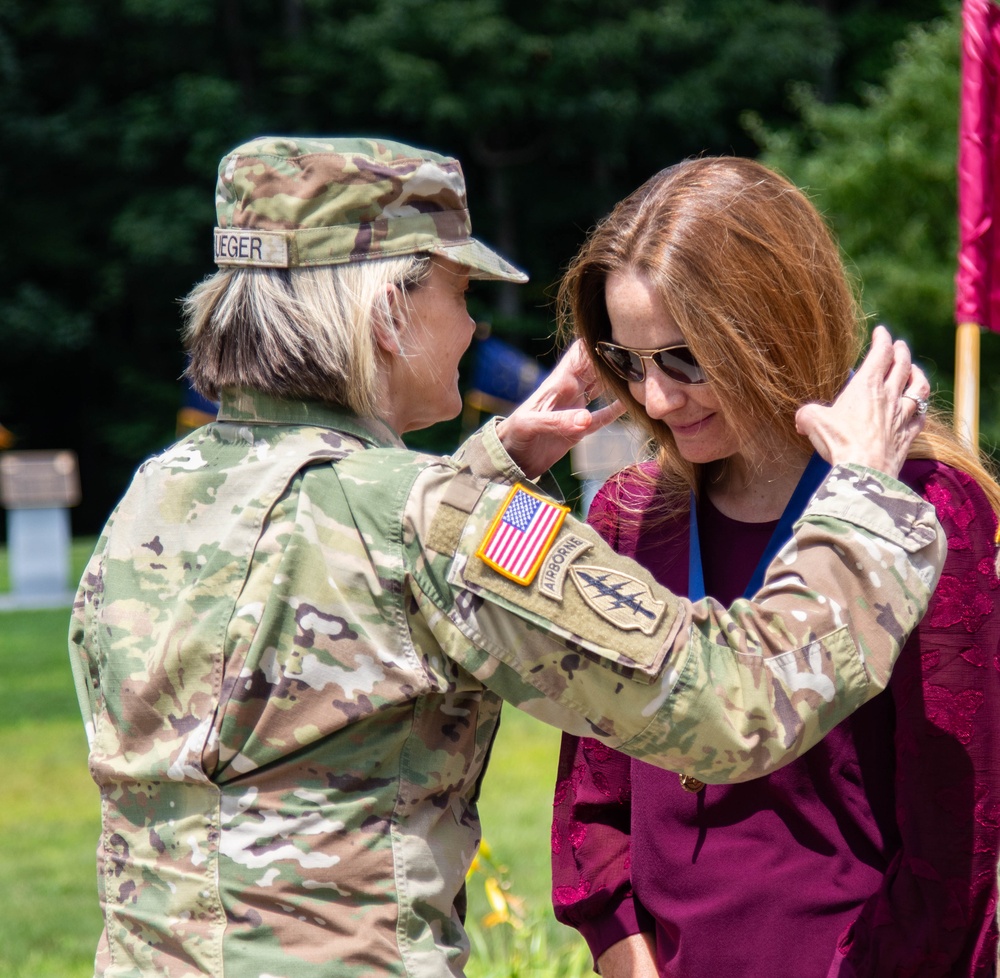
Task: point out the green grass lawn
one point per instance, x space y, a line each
515 809
49 820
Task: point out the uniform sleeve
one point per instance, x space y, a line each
934 912
484 456
82 623
593 645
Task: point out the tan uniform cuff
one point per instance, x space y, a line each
878 503
484 455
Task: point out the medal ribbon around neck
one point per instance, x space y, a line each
811 479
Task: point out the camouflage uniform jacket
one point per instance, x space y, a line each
291 662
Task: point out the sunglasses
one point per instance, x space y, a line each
677 362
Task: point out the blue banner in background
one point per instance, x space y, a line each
503 371
194 411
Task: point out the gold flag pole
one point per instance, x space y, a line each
967 383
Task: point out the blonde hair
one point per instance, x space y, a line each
296 334
748 270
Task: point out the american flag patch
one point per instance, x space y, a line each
521 534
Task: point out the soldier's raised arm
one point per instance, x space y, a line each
721 694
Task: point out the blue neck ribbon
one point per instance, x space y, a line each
815 472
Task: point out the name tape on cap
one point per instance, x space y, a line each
246 246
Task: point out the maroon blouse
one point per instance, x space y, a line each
873 855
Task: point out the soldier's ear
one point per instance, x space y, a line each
388 320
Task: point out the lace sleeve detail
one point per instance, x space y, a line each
591 823
591 843
935 911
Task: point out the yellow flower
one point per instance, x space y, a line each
494 893
506 909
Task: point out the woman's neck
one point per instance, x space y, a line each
754 491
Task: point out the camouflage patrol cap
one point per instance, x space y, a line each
288 202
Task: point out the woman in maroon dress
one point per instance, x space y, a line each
715 304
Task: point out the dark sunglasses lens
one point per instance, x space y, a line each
680 365
623 362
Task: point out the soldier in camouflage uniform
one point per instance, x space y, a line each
293 640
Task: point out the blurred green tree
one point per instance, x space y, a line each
884 174
114 113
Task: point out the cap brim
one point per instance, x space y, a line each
483 262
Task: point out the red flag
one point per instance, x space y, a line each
977 283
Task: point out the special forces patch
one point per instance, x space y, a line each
623 600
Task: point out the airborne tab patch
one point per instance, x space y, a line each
556 564
623 600
521 534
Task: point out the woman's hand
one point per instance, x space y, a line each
555 417
632 957
878 414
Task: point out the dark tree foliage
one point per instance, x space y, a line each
884 174
114 114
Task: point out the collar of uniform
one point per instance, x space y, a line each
239 404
